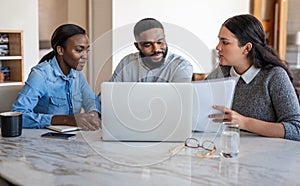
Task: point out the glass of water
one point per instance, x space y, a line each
230 140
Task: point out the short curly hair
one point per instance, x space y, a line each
146 24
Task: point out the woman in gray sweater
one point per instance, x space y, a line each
265 101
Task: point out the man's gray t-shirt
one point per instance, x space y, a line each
174 69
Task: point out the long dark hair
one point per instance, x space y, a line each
60 36
248 28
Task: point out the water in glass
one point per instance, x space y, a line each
230 141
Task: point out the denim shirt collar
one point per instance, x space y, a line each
58 71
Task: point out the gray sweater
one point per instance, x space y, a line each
270 96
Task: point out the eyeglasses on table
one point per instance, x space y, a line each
207 145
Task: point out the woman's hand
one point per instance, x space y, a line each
227 115
88 121
263 128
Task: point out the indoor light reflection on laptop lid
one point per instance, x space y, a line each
146 111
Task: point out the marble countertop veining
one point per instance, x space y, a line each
32 160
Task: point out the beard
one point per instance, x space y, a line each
147 60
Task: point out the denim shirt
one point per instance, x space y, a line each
49 92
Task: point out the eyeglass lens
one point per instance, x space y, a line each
192 143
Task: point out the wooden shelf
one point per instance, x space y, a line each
10 83
15 58
10 57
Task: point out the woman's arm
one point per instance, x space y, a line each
28 98
90 100
86 121
263 128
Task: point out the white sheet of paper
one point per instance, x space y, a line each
206 94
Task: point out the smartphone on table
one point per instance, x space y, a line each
59 135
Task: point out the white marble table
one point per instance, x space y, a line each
32 160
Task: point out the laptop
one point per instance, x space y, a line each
149 112
206 94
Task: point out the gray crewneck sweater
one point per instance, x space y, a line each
270 96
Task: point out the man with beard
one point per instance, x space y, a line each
153 62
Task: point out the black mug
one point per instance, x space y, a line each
11 124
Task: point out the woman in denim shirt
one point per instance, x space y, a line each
56 89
